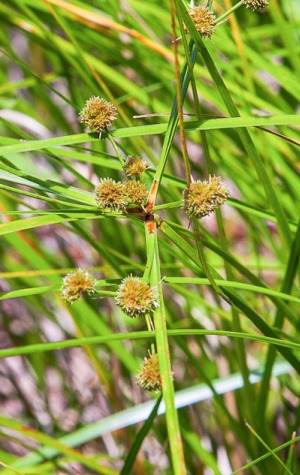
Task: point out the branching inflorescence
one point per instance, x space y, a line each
134 296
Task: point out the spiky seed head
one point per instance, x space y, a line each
256 4
136 297
203 197
98 114
135 166
149 376
135 191
75 284
110 195
203 19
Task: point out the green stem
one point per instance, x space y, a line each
272 452
231 10
112 141
165 367
150 248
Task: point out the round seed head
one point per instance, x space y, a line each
136 297
203 197
98 114
110 195
149 376
256 4
135 166
204 20
135 191
75 284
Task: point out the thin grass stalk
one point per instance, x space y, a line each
271 451
286 287
171 130
164 360
179 98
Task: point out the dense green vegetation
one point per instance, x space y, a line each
219 295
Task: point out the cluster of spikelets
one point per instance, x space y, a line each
135 166
117 196
98 114
133 296
256 4
202 197
136 297
203 19
75 284
149 376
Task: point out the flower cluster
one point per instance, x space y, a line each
135 166
135 192
136 297
117 196
149 376
256 4
110 194
75 284
203 197
98 114
204 20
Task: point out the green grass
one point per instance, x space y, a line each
227 327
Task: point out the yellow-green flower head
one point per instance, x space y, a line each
135 191
110 195
203 197
135 166
256 4
98 114
75 284
136 297
203 19
149 376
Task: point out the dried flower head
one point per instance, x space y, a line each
75 284
203 197
135 191
204 20
136 297
149 376
135 166
98 114
256 4
110 195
